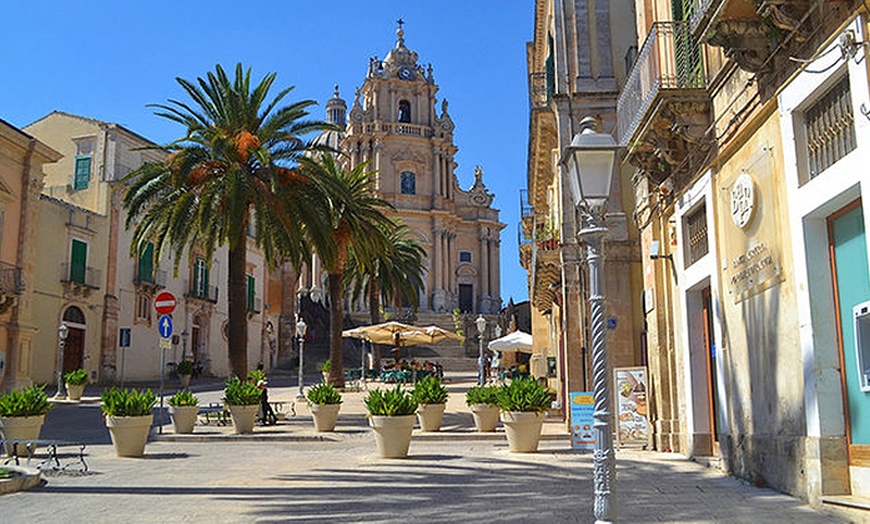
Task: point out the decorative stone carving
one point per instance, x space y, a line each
744 41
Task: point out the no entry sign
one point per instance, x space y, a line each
164 303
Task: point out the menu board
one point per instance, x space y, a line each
632 428
582 420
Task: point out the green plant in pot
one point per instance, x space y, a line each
184 370
324 370
391 416
523 402
183 409
242 398
324 402
128 416
22 413
483 402
431 394
75 381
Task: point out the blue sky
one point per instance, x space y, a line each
109 59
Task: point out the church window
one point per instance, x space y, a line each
404 111
465 256
409 183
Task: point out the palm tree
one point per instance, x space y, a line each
235 165
357 222
393 276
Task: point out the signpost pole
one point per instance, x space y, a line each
123 359
162 373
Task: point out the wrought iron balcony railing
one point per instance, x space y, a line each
158 278
202 292
669 60
11 282
87 276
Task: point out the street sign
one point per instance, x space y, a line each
124 338
165 343
164 303
164 326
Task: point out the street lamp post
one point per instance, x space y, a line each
590 160
62 333
481 327
184 335
300 334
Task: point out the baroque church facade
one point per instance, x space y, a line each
394 127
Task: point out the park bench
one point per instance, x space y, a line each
215 409
51 463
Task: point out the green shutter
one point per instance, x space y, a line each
83 173
78 261
251 286
146 264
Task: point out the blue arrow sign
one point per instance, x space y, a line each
164 325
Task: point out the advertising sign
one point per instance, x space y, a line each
582 409
632 428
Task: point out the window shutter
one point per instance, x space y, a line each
83 173
78 261
146 263
251 287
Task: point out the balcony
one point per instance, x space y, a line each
255 306
664 109
153 281
11 282
202 292
89 277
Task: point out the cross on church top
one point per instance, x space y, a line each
400 22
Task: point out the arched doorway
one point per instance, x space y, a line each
74 348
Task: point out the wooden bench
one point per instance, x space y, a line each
51 463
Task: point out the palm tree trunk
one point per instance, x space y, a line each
336 323
375 313
237 347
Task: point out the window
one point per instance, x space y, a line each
145 270
78 261
696 235
82 173
200 278
251 289
404 111
830 128
465 256
143 307
409 183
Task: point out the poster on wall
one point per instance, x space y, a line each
632 428
582 409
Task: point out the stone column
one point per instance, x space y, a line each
436 173
484 266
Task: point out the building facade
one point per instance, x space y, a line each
576 64
22 158
742 123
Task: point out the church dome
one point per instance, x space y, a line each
336 113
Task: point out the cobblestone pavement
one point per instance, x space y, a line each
289 473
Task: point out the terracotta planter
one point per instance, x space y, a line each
185 380
393 434
485 417
325 416
523 429
20 428
129 434
183 418
244 418
74 391
430 416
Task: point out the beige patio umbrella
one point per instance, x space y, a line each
430 335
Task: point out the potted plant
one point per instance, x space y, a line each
391 416
324 401
75 384
242 398
183 409
431 394
522 403
22 412
483 401
184 370
128 417
324 370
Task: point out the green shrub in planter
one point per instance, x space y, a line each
183 398
524 394
78 377
25 402
390 402
240 392
430 390
117 402
482 395
185 367
323 394
257 376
